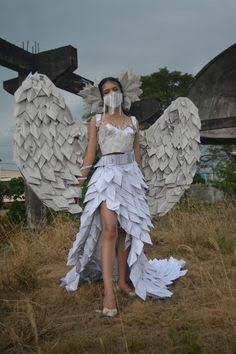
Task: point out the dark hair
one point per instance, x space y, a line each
111 78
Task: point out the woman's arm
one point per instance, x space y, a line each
91 148
136 146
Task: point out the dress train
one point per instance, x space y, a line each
118 180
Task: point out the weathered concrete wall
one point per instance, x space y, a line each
214 93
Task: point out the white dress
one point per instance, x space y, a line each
118 180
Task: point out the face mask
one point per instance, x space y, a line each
113 100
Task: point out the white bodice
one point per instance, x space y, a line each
113 139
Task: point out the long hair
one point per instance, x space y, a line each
114 79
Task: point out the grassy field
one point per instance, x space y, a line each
38 316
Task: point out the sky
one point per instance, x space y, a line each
111 36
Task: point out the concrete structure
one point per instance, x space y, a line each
7 175
214 93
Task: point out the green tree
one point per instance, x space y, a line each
4 191
166 85
17 212
11 189
16 186
225 175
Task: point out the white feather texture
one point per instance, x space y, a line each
131 87
131 83
92 99
170 150
48 144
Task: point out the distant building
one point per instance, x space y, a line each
7 175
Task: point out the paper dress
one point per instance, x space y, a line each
48 149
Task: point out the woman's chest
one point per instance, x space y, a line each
110 134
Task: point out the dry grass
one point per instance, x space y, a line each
38 316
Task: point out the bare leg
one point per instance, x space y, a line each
108 241
122 261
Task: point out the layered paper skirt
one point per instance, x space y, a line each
118 180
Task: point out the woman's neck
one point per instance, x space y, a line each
116 112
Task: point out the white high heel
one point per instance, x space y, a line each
108 312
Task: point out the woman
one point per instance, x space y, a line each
116 196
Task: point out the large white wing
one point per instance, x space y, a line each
48 145
170 150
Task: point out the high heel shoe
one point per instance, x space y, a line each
108 312
130 293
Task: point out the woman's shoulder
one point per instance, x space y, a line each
134 121
133 118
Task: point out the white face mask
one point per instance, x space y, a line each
113 99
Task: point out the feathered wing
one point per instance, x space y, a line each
48 145
170 149
131 83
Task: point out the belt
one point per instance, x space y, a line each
116 159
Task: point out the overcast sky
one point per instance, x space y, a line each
114 35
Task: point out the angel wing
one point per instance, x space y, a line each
131 83
48 145
170 151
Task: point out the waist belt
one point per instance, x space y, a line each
116 159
